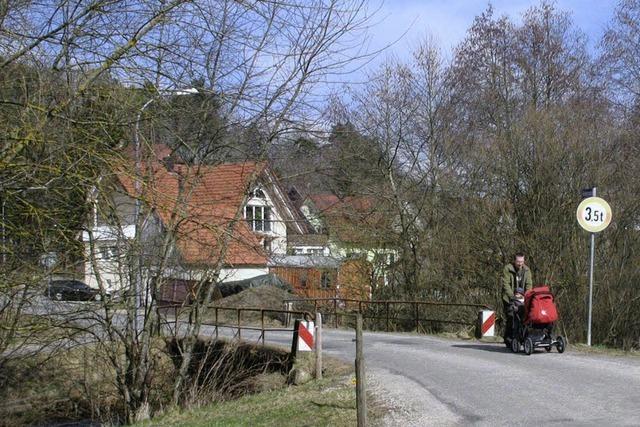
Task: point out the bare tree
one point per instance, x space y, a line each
619 60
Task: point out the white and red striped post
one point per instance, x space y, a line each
487 323
303 336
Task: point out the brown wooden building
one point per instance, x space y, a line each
325 277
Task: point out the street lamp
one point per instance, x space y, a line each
138 190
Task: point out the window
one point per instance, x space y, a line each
308 251
325 280
108 252
258 217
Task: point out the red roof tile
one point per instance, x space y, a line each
203 211
327 202
354 219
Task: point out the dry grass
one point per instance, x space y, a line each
222 370
330 401
79 384
602 350
68 385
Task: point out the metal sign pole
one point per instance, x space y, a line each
591 262
594 215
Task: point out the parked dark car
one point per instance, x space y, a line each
72 290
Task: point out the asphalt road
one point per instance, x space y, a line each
436 381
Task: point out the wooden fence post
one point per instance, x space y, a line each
318 346
262 324
288 306
361 398
216 309
175 318
387 304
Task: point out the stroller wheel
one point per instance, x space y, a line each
515 345
528 346
548 348
560 344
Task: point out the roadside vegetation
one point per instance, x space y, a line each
330 401
247 383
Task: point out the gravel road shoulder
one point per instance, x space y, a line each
407 402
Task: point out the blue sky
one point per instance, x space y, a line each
448 20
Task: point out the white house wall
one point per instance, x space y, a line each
371 255
311 215
105 232
278 233
113 273
310 250
106 246
233 274
226 274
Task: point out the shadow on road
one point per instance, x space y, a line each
495 348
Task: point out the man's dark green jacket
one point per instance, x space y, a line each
509 282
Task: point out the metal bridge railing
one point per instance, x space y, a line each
393 312
240 322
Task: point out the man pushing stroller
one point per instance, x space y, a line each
516 276
530 313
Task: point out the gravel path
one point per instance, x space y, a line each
408 403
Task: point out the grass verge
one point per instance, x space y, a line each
330 401
602 350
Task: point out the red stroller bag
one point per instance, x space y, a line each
539 306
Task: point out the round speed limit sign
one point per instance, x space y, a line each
594 214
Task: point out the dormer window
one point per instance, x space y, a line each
258 217
257 213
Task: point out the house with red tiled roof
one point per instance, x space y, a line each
356 222
351 227
183 222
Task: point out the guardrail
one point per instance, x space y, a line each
388 308
240 323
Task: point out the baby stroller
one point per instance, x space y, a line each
533 322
